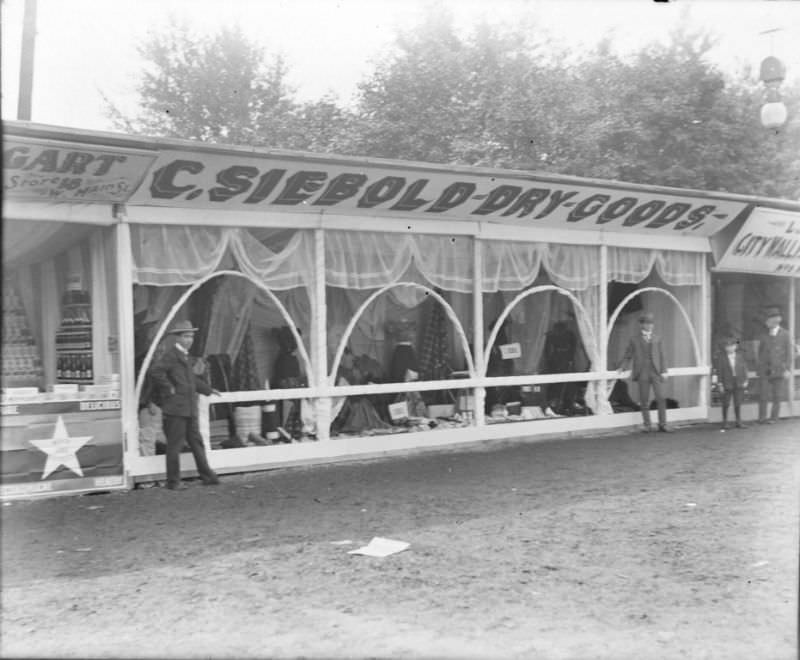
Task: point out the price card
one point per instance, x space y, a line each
510 351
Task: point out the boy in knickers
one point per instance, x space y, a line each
732 374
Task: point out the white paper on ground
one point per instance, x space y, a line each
380 547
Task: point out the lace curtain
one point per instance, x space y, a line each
632 265
368 260
166 255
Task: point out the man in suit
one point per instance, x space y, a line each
774 364
649 369
732 381
177 385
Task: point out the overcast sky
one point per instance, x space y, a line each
85 47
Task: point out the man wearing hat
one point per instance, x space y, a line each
774 364
732 373
649 369
177 386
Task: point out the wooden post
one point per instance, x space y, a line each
319 313
127 368
705 333
25 100
477 328
602 334
792 334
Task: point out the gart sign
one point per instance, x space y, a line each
769 243
55 171
258 184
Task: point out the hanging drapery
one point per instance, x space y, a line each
433 362
632 265
370 260
166 255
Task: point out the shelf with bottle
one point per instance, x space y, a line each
21 362
75 366
73 341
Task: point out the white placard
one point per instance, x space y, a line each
510 351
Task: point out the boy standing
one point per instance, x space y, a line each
732 373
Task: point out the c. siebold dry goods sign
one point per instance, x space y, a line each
244 183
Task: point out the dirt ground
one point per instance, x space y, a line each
628 546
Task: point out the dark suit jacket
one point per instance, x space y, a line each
775 354
177 384
727 377
637 351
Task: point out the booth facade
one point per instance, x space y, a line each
757 267
346 307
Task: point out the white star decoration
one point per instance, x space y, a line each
61 450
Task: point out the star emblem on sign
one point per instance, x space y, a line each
61 450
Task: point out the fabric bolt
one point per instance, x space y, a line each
433 362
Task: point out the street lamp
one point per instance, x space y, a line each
772 74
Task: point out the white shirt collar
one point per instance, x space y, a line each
181 349
774 331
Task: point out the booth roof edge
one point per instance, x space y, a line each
27 129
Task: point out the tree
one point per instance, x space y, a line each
217 88
499 97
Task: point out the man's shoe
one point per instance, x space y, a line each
178 486
725 426
771 421
664 429
739 425
647 428
211 481
762 421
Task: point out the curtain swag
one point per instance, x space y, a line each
166 255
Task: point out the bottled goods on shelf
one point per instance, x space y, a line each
74 339
21 362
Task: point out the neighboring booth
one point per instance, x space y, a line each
346 307
61 410
757 269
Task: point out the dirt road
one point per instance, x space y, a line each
633 546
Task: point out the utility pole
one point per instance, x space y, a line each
25 101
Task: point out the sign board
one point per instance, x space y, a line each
398 411
205 180
768 243
60 447
510 351
71 172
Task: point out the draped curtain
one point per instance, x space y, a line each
166 255
680 273
357 263
632 265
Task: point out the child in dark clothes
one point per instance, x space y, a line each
732 373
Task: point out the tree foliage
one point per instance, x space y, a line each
498 96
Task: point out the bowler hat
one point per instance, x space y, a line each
179 327
773 311
646 317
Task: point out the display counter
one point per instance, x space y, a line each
58 445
